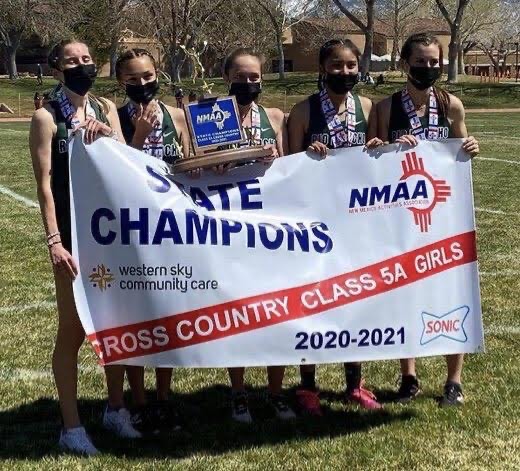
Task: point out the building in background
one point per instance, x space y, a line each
303 40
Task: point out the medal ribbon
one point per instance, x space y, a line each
415 123
338 136
69 111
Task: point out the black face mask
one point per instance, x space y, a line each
143 94
424 77
340 83
245 92
79 79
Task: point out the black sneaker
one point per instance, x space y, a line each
168 417
452 395
144 420
281 406
408 390
240 408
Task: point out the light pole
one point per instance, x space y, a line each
516 44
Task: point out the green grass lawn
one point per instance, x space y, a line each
282 93
482 435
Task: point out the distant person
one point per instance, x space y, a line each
39 75
179 96
38 101
380 80
192 96
369 79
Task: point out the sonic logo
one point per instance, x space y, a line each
449 325
417 191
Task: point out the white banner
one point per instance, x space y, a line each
354 257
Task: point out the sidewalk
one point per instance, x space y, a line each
14 120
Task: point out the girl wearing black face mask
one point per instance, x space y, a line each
70 107
159 130
333 117
263 126
321 121
422 60
148 123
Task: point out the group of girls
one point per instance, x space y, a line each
333 117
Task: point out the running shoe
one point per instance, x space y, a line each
281 406
76 440
240 408
409 389
364 398
144 420
168 417
452 395
120 422
309 402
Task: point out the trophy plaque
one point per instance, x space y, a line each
214 123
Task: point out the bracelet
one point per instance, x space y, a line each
54 234
54 242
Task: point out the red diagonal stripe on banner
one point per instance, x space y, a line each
256 312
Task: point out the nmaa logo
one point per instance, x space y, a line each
416 191
217 116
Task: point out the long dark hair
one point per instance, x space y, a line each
124 57
426 39
328 47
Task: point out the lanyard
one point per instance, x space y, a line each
338 136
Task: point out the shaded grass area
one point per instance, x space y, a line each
483 435
280 93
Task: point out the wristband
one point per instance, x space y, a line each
55 242
54 234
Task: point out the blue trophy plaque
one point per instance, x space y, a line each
213 123
217 135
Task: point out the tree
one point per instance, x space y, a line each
102 25
283 15
177 22
238 24
366 26
454 21
499 40
479 21
20 19
399 14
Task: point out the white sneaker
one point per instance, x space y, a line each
77 441
281 407
120 422
240 410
